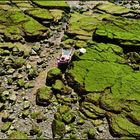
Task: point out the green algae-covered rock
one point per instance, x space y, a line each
40 13
57 14
52 75
18 135
125 94
119 31
58 128
58 86
52 4
92 111
19 62
16 25
121 126
68 117
6 126
44 95
91 133
113 8
95 76
93 98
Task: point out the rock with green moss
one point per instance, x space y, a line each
113 8
57 14
68 117
19 62
18 135
32 73
91 133
122 126
52 75
35 130
91 110
21 82
44 95
6 126
119 31
40 13
52 4
58 129
59 87
93 98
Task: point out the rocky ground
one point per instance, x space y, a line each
97 97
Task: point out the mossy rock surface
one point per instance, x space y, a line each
121 126
119 31
44 95
40 13
16 25
52 4
58 128
18 135
113 8
52 75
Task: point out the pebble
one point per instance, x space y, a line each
101 129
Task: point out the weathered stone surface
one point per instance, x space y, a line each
44 95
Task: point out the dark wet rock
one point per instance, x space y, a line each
18 135
6 126
52 75
58 129
44 95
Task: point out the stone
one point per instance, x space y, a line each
32 73
121 126
44 95
19 62
68 117
18 135
52 75
34 130
6 126
21 83
91 133
12 97
26 104
58 128
25 113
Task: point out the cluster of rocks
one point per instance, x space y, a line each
97 97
